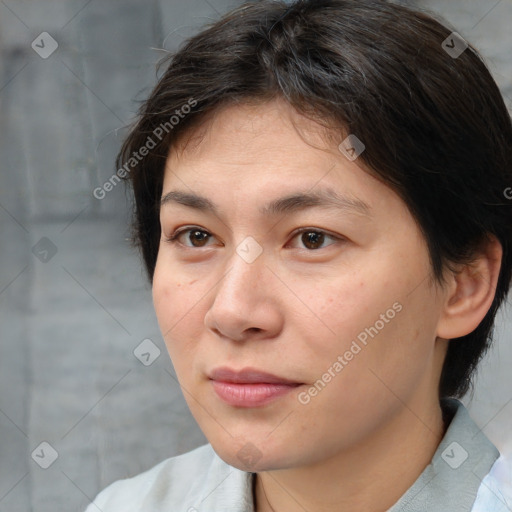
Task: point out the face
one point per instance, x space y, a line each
344 308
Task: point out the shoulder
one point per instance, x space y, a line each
495 491
171 482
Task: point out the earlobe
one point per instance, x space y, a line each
470 292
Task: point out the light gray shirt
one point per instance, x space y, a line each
466 474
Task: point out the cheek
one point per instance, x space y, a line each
339 308
375 324
177 311
382 350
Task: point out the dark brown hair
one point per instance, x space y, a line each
435 126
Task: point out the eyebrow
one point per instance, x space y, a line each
326 198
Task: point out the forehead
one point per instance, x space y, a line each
240 130
260 152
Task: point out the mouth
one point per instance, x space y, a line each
249 387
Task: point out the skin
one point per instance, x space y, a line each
362 441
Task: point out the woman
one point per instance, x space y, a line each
320 201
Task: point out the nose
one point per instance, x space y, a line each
245 301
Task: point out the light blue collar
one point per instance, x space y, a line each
451 481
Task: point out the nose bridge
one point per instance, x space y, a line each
239 301
246 268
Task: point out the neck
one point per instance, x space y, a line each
370 476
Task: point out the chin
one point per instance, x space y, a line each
248 456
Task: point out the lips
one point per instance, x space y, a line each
249 387
248 376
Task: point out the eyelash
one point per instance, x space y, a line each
173 239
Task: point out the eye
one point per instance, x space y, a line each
314 238
195 234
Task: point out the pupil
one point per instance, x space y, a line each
314 238
194 233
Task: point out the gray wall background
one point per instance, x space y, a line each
74 303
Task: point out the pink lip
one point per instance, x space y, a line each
249 387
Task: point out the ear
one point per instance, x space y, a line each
470 292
